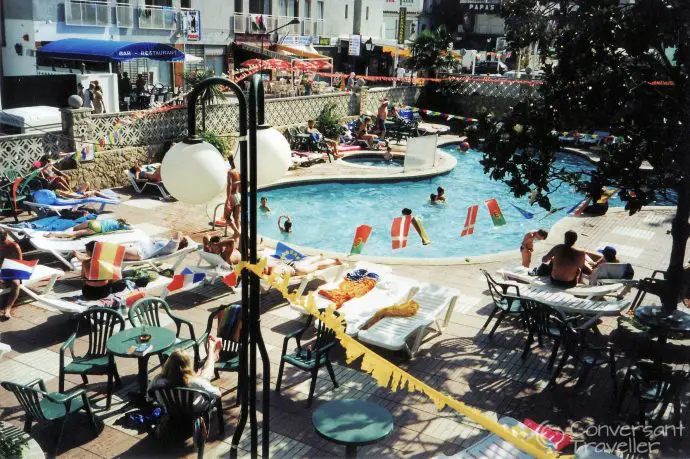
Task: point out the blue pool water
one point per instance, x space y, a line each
325 215
374 161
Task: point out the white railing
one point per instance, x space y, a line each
157 17
124 15
87 13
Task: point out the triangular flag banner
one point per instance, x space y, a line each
400 229
551 212
495 212
524 213
230 280
17 269
419 227
185 279
361 237
106 261
470 220
579 208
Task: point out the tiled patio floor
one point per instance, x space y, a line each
489 375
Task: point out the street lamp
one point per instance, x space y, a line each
195 172
294 21
369 47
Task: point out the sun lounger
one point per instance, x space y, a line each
140 185
396 333
4 349
66 204
61 247
41 273
71 307
520 274
155 261
493 446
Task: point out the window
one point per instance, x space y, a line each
167 3
238 6
367 14
186 4
307 10
346 8
283 6
319 10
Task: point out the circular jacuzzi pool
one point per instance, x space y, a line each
374 160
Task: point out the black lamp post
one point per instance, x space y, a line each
193 161
369 47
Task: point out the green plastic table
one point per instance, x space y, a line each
352 423
119 344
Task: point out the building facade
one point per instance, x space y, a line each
477 24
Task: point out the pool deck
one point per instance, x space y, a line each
462 362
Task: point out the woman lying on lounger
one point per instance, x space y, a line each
225 248
140 174
93 227
154 248
81 194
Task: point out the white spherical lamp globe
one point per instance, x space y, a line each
273 156
194 173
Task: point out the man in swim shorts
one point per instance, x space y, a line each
527 246
567 262
381 116
92 227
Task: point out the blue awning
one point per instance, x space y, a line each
80 49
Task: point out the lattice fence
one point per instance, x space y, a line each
19 151
148 130
499 89
402 95
297 110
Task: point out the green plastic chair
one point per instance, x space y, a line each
40 405
504 303
102 324
146 312
183 404
11 174
311 357
229 359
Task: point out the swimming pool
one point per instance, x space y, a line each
374 161
325 215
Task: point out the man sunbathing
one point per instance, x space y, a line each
569 263
148 248
302 267
225 248
93 227
81 194
141 174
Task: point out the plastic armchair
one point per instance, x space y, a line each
146 312
229 358
40 405
184 404
103 323
311 357
506 299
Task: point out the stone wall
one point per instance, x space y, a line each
108 169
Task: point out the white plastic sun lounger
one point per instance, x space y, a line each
493 446
154 262
395 333
520 274
69 307
140 185
101 203
61 247
41 273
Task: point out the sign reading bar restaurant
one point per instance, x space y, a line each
355 45
402 23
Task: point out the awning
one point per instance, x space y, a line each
80 49
402 52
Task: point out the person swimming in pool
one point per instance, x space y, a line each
287 226
263 207
406 212
433 198
92 227
440 194
388 155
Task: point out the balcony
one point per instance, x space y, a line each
124 15
157 17
250 23
87 13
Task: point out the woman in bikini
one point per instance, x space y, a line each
363 132
233 201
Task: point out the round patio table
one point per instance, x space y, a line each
662 325
352 423
120 344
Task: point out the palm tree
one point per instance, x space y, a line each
430 51
208 95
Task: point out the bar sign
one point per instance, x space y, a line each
402 23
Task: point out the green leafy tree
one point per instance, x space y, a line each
208 95
328 122
603 60
430 51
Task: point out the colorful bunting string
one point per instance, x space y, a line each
389 375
